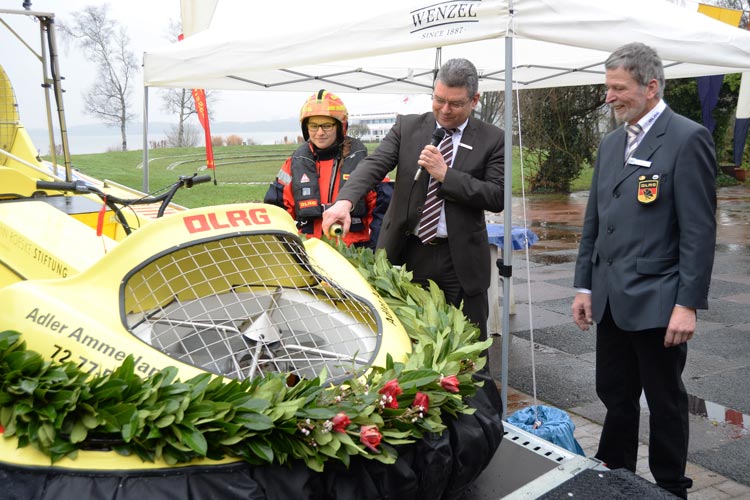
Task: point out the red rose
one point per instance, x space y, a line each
340 422
423 400
450 384
391 388
370 437
390 402
391 391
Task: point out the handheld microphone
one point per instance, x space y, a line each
437 137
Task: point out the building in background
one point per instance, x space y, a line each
378 124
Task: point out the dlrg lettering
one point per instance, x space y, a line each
223 220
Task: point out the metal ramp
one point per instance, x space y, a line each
526 466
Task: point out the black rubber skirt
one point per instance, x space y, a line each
437 467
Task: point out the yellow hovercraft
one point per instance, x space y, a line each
98 287
229 290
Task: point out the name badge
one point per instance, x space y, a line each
461 144
639 163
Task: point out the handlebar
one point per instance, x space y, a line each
81 187
191 180
75 186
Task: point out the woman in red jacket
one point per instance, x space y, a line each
310 179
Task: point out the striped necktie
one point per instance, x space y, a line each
633 132
434 205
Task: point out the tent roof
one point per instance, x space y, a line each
395 46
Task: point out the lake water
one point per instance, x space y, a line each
101 143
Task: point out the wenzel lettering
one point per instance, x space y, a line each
223 220
447 13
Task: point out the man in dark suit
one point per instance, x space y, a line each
470 182
644 264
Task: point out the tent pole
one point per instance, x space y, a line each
506 269
145 139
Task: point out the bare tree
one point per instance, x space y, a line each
180 102
105 43
183 136
491 107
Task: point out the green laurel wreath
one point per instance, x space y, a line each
59 409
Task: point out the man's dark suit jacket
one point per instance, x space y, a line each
646 256
474 184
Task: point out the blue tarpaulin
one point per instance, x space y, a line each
556 426
520 237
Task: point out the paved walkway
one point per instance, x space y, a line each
718 366
707 484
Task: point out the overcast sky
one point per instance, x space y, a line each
147 22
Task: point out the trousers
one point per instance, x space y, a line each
628 363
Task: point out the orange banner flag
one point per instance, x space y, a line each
201 108
199 96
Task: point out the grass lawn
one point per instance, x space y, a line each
243 173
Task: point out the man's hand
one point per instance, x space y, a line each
431 160
582 311
338 213
681 326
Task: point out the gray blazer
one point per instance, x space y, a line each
474 184
649 231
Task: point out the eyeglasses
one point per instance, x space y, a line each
313 127
456 105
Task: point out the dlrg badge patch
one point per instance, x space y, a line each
648 189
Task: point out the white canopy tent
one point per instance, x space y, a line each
389 47
396 46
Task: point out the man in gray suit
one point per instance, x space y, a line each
467 184
644 264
